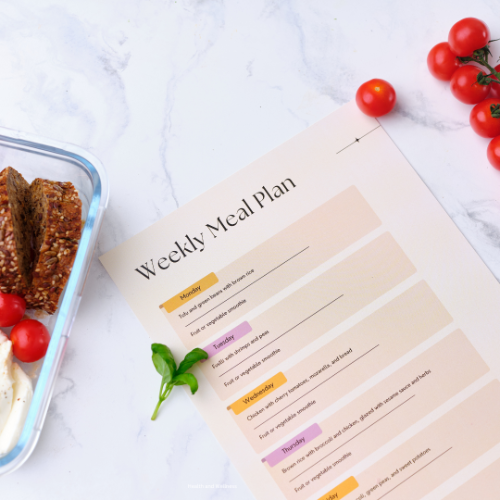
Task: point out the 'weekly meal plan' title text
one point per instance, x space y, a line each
191 244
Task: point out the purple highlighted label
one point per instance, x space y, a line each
293 445
227 339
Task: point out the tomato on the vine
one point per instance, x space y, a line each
493 152
464 85
468 35
485 118
12 308
376 97
30 340
442 62
495 87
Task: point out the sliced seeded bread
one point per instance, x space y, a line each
57 223
15 246
40 226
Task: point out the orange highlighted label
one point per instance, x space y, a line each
190 292
341 490
258 393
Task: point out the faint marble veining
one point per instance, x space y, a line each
320 48
250 69
479 220
111 233
62 425
208 19
226 477
69 355
416 107
63 69
495 8
281 96
177 454
485 215
64 387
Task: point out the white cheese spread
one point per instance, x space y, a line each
16 392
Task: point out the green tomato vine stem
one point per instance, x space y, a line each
480 57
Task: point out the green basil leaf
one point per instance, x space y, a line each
191 358
186 379
162 367
165 365
160 364
166 355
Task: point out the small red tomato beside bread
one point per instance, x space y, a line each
30 340
12 309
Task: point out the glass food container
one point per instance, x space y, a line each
35 157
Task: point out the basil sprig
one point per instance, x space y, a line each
171 375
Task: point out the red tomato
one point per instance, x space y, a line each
468 35
30 340
482 121
464 85
442 62
376 97
12 308
493 152
495 87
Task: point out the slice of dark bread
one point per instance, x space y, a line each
57 224
40 226
15 231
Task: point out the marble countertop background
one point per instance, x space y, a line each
173 97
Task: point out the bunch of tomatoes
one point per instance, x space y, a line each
30 339
477 83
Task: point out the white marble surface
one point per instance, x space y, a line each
174 96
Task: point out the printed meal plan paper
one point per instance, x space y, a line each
352 332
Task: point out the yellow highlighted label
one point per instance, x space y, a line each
258 393
341 490
190 293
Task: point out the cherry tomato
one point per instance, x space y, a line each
442 62
376 97
30 340
464 85
493 152
495 87
482 121
468 35
12 308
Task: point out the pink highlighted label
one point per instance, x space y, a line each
293 445
227 339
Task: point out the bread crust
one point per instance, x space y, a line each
51 216
12 279
51 274
62 216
